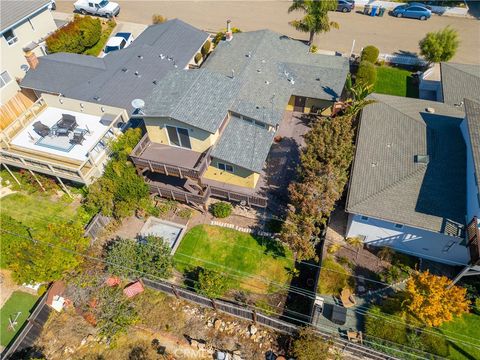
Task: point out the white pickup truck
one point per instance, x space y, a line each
97 7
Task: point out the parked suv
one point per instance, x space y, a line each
345 5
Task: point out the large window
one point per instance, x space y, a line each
4 78
178 137
10 37
225 167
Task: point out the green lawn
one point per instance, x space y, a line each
466 329
333 277
19 301
37 211
228 250
395 81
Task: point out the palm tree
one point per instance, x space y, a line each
357 96
355 242
316 19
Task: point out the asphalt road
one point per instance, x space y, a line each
387 33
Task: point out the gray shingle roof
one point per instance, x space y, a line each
264 61
244 144
112 80
472 112
460 81
387 183
199 98
13 11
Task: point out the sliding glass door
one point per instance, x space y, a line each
178 137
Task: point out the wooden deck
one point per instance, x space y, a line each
169 160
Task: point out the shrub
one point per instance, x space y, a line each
206 47
221 209
439 46
158 19
370 53
313 49
185 213
197 58
212 284
394 331
221 34
90 30
366 74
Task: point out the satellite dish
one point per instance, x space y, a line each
24 67
138 103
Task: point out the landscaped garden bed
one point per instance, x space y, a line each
256 264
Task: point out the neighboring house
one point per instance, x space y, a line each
407 188
209 131
62 137
24 25
123 75
450 83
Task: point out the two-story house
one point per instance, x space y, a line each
209 131
24 25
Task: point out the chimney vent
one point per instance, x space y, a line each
430 110
229 33
32 59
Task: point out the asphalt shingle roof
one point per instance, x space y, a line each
460 81
13 11
386 181
199 98
123 75
472 112
265 61
244 144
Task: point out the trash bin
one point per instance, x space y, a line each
366 9
374 11
381 11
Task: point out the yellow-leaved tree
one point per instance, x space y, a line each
433 300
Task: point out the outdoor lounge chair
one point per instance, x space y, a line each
77 138
67 122
41 129
347 298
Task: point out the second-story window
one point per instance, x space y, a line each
178 137
10 37
5 78
225 167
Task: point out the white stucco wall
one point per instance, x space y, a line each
12 56
410 240
473 198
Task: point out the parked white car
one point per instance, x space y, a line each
97 7
119 41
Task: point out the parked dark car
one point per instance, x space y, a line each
345 5
412 11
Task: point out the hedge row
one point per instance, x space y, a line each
77 36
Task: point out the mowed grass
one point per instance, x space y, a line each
18 301
254 262
395 81
37 211
467 330
333 277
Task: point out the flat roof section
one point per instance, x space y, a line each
93 127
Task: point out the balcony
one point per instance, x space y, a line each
169 160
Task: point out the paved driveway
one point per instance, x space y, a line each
387 33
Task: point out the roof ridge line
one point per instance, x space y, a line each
201 72
87 66
389 187
401 112
452 65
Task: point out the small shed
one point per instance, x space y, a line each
133 289
339 315
55 297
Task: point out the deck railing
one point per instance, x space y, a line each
473 241
251 200
164 167
179 195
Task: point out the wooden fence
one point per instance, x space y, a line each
243 312
96 226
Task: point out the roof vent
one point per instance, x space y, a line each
249 54
430 110
155 82
374 164
318 79
96 98
162 56
291 81
137 74
389 145
124 70
140 56
267 82
263 61
259 71
422 159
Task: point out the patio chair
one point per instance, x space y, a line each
67 122
41 129
355 336
58 131
77 138
347 298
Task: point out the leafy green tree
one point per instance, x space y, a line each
149 258
221 209
54 251
212 284
316 18
310 346
114 312
440 45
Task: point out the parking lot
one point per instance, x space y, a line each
387 33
